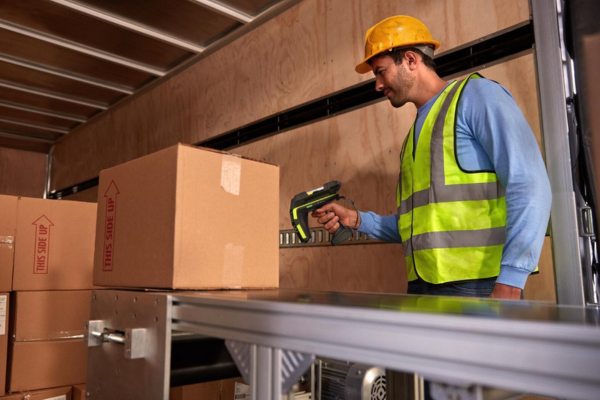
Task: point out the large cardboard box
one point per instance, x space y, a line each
8 230
54 245
48 348
4 335
188 218
61 393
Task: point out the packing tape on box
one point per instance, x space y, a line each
7 241
233 266
54 335
231 171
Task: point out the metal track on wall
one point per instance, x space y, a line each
481 53
484 52
320 237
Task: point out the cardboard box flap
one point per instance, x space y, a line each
226 153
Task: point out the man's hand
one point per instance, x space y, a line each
330 214
506 292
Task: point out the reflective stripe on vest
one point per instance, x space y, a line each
452 222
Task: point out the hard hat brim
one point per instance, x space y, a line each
364 66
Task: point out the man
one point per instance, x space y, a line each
473 195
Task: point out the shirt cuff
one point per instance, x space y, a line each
511 276
367 223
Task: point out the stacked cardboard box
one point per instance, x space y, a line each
48 327
46 260
180 218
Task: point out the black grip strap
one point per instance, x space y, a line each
356 224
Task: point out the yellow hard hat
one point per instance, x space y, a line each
391 33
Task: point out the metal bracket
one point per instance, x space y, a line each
293 363
134 339
135 343
240 352
92 328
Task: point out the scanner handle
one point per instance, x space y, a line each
343 233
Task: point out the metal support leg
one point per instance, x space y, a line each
265 379
269 371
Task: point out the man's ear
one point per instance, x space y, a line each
412 59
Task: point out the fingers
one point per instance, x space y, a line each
325 218
334 228
329 216
332 224
326 208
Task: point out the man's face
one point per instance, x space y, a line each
395 81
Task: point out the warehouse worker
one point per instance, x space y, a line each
473 195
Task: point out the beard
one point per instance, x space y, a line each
400 86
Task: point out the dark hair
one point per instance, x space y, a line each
398 55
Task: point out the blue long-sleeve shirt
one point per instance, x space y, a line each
492 134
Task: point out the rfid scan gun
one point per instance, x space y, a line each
306 202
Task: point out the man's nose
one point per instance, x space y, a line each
378 84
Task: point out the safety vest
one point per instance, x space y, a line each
452 222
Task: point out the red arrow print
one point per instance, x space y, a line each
110 223
41 245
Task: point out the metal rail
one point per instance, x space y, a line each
555 133
510 345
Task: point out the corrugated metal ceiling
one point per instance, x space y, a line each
63 62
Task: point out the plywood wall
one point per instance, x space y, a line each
22 173
306 53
